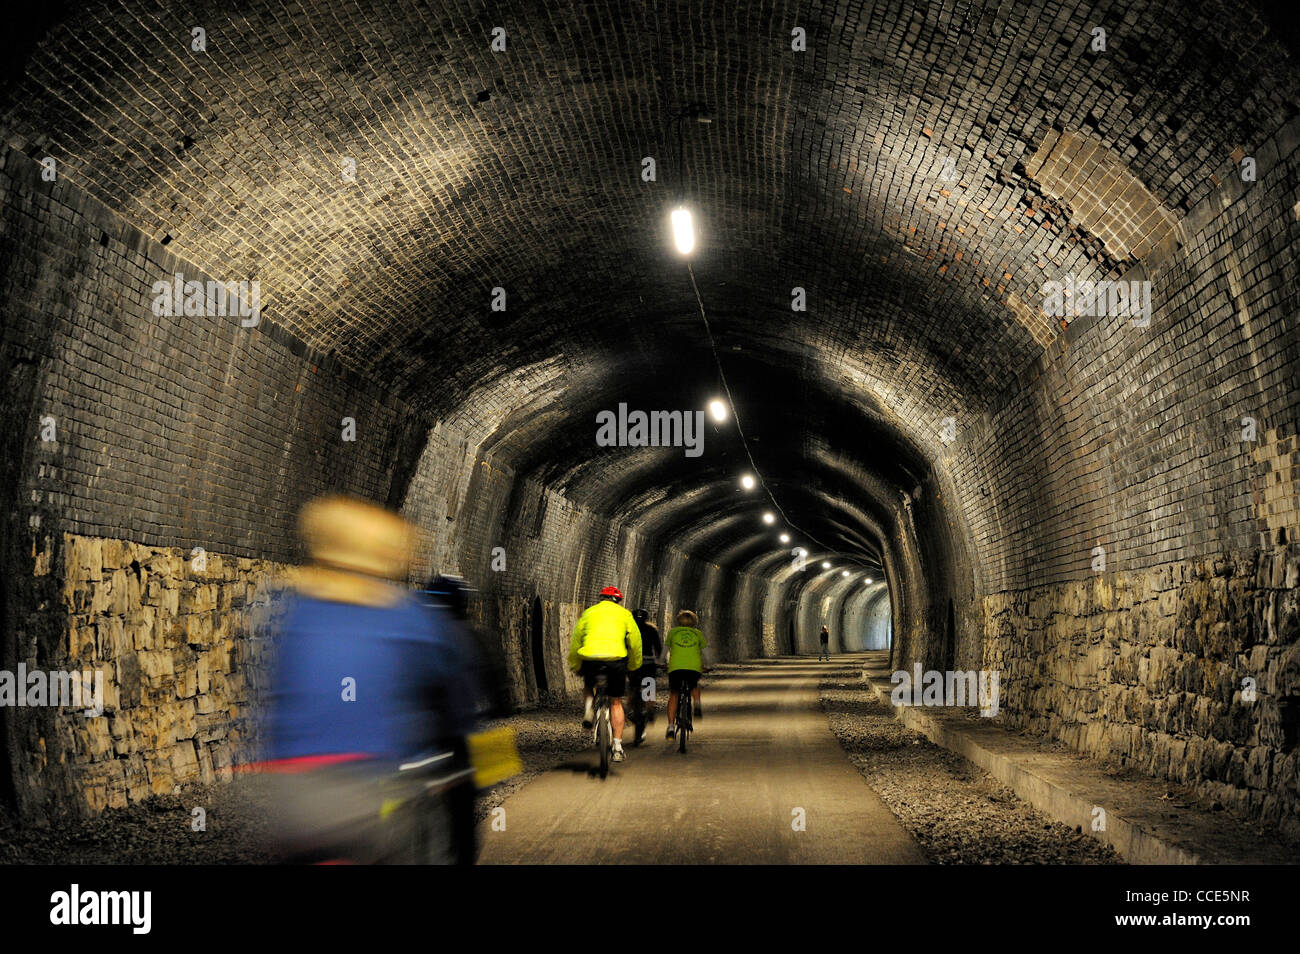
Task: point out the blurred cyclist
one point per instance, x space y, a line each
641 692
606 639
448 597
367 698
685 663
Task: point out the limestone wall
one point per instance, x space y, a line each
1149 669
178 640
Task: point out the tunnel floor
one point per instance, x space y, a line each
762 761
777 735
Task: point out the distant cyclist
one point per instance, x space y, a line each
606 639
685 663
641 692
824 639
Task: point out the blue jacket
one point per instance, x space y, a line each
385 682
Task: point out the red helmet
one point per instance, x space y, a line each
614 592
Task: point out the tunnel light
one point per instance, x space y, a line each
747 481
785 538
844 573
769 518
825 566
870 581
718 410
683 231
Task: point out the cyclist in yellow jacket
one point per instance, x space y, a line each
606 639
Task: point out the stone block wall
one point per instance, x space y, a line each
181 646
1187 670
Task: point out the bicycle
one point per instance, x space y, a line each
642 710
434 829
603 729
685 715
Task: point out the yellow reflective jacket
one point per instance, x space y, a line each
605 631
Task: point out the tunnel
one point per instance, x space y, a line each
967 330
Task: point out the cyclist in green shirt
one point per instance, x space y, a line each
684 643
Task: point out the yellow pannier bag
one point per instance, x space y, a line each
493 756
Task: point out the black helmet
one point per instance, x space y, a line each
451 592
640 615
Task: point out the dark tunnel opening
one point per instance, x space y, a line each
538 643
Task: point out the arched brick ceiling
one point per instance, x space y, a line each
520 169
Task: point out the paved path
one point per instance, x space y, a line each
762 750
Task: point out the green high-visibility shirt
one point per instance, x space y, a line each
684 644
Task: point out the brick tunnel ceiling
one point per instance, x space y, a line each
886 170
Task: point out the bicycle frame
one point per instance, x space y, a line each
603 723
685 723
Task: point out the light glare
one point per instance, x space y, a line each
768 518
747 481
785 538
718 410
683 231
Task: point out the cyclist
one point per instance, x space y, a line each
336 757
685 663
606 639
641 692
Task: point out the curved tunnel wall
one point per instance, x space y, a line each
1138 552
152 495
866 618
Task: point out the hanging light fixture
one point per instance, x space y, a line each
683 230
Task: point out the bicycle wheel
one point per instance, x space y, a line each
604 741
683 723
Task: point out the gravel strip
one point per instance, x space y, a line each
958 813
159 832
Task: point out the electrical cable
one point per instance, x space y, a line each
744 442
